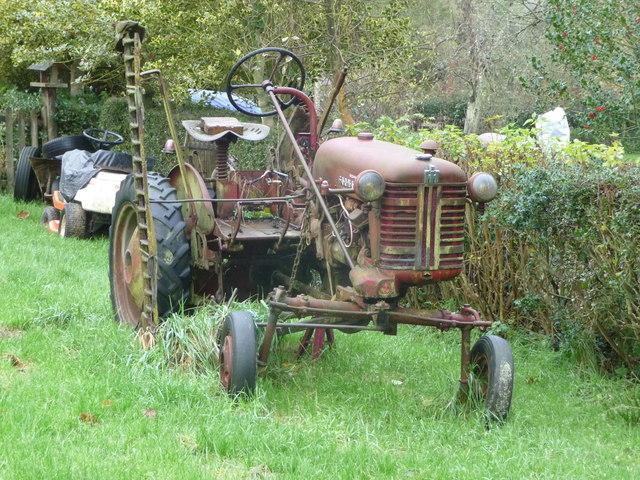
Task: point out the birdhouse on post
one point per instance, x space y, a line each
49 73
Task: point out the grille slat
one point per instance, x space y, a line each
401 229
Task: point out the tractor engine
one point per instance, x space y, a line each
402 212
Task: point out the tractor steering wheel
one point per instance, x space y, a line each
281 68
103 139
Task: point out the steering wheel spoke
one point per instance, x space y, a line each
282 64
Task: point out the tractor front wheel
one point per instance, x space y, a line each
126 276
237 349
491 380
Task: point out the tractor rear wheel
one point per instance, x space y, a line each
26 187
73 223
238 353
491 379
125 260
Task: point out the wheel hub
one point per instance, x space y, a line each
128 281
226 362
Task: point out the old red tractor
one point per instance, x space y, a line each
333 233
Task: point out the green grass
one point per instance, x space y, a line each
344 416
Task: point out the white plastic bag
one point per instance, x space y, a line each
553 130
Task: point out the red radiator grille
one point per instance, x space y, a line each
398 227
452 207
428 236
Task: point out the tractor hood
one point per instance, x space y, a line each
340 160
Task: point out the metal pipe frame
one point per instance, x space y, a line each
257 200
271 90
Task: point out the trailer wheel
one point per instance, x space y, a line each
125 262
73 223
491 380
26 187
237 347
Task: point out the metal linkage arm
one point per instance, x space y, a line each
272 93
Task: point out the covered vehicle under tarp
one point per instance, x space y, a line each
79 167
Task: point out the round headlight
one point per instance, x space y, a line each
482 187
369 185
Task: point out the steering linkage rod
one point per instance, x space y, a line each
272 91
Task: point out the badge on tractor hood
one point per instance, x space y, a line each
431 176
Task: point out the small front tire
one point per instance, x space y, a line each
50 219
491 379
73 223
238 353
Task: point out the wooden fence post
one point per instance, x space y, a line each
34 128
22 132
8 148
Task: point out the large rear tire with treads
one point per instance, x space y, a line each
174 252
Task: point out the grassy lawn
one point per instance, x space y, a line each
373 407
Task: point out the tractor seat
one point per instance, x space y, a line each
210 129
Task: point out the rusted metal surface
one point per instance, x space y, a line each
341 159
311 110
373 282
130 39
201 215
465 360
222 157
422 227
226 362
304 165
126 266
429 146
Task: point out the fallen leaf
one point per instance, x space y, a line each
22 214
147 340
149 412
397 383
106 403
89 418
16 362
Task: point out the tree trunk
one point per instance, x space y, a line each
8 148
330 9
75 88
473 117
469 37
22 131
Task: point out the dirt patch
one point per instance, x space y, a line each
10 332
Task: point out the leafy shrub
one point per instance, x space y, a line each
75 113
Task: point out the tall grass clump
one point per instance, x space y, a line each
188 340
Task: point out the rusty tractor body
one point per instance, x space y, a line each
333 233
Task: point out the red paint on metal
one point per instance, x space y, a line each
311 109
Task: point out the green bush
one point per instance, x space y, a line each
74 114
